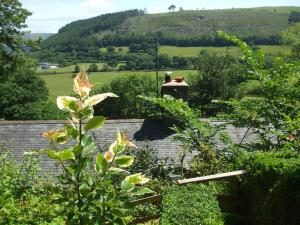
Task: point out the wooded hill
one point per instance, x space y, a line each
183 28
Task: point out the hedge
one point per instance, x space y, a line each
270 193
191 205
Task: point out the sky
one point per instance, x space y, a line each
49 15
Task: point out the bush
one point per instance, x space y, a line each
270 192
192 205
93 68
128 105
148 161
25 196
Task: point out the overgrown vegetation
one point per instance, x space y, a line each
191 204
270 191
196 136
271 115
25 195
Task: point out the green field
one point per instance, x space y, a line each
233 50
62 84
194 51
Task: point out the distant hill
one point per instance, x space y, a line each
183 28
36 36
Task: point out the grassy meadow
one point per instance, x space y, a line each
61 84
194 51
233 50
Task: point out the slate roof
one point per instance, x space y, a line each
22 136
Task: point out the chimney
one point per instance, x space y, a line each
177 88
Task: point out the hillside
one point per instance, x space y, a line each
183 28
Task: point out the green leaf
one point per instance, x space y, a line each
66 155
115 170
77 149
101 163
94 123
72 132
127 186
86 140
67 103
141 191
124 161
137 178
62 155
89 149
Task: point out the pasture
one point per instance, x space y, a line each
233 50
194 51
61 84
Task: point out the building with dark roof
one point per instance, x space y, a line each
23 136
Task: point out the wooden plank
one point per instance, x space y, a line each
219 176
151 199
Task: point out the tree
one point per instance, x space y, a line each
20 88
76 68
12 20
292 37
93 68
127 105
294 17
110 49
172 8
274 116
217 79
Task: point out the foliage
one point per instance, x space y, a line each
294 17
127 105
19 88
23 98
12 20
172 8
217 79
292 37
25 196
76 68
196 136
93 68
269 115
89 189
147 160
270 190
191 204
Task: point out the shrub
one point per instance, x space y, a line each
196 136
148 161
192 205
24 196
270 191
127 87
93 68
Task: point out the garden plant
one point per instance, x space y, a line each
94 188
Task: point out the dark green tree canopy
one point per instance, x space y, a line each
12 20
294 17
20 90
